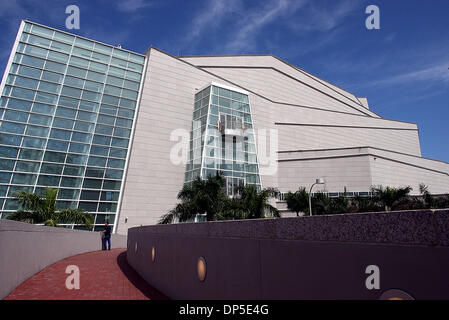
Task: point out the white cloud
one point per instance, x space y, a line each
435 73
250 27
132 5
211 15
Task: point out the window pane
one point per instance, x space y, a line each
10 139
84 126
5 177
71 92
95 76
115 163
103 140
76 159
117 153
37 131
51 156
97 161
38 40
51 168
71 182
126 113
57 145
90 195
117 142
29 72
7 164
60 134
111 185
92 184
68 194
94 172
74 82
19 104
43 108
8 152
60 46
54 66
77 72
81 137
78 62
65 112
27 166
69 102
101 129
89 106
15 116
31 154
46 97
33 142
114 174
57 56
23 178
101 151
48 180
78 147
63 123
73 171
40 119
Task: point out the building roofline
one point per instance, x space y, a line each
265 98
82 37
363 147
306 73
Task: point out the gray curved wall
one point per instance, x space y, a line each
26 249
320 257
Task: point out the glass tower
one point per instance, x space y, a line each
222 138
67 111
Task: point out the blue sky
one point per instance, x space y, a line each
402 68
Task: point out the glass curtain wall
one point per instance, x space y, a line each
222 138
66 114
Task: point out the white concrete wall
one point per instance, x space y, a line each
153 181
360 168
272 62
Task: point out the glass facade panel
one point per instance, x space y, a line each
229 139
53 125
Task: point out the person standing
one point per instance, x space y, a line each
107 236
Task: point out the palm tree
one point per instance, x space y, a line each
389 196
254 203
204 197
298 201
42 209
427 196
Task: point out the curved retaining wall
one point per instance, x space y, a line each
26 249
320 257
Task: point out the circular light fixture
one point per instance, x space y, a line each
395 294
153 254
201 269
135 247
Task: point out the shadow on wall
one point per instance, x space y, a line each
137 280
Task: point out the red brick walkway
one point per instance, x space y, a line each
104 275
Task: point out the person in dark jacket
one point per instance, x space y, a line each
107 236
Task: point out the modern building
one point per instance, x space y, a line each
119 132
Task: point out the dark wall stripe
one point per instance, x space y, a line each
295 79
364 155
339 126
